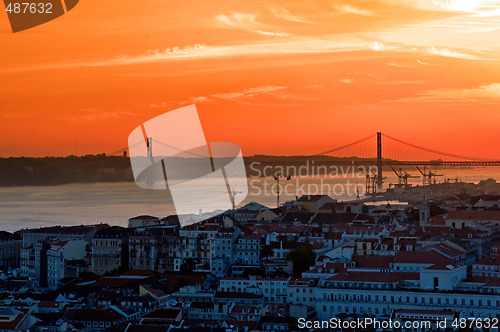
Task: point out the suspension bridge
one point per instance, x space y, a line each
391 151
377 149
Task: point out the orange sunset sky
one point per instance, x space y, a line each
275 77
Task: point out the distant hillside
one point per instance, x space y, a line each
102 168
62 170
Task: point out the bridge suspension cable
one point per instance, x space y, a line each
451 155
346 146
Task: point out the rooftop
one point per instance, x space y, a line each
473 215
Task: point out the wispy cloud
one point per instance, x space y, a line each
238 20
93 115
485 93
393 64
424 63
269 33
296 45
488 13
247 22
284 14
348 9
251 92
454 40
347 80
451 54
157 54
245 93
443 5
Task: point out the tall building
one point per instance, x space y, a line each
197 244
247 253
110 250
142 221
10 246
40 253
223 250
28 263
82 232
154 248
61 260
37 243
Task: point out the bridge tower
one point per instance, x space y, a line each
149 146
149 175
379 161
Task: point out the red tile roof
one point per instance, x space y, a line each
365 229
93 315
493 259
333 235
12 325
378 277
332 206
372 261
246 309
145 217
59 243
164 314
446 249
421 257
474 215
251 236
141 273
236 295
115 281
443 266
438 222
48 304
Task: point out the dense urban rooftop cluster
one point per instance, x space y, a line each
257 268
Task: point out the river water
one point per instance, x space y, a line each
115 203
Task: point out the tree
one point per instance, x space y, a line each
266 251
189 265
302 258
181 282
436 210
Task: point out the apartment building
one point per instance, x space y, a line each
154 248
274 290
110 250
223 256
61 260
197 244
10 246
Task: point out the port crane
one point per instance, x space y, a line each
429 177
403 177
371 181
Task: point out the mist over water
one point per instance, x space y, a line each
115 203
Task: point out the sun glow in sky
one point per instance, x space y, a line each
276 77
